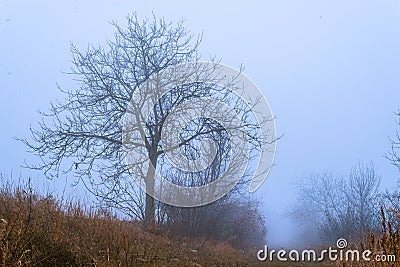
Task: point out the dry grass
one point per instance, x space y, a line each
387 243
40 231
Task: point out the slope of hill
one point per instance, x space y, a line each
41 231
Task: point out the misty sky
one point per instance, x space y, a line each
329 69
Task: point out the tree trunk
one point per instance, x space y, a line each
150 182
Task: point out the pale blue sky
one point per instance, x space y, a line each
329 69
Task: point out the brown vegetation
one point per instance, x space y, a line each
37 230
384 244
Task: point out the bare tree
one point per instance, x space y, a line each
362 194
340 207
391 199
236 221
84 133
390 202
235 218
394 154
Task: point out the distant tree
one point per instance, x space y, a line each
231 220
339 207
235 218
362 194
84 133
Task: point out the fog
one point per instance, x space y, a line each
330 72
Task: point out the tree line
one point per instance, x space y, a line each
330 206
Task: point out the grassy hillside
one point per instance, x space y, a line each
40 231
